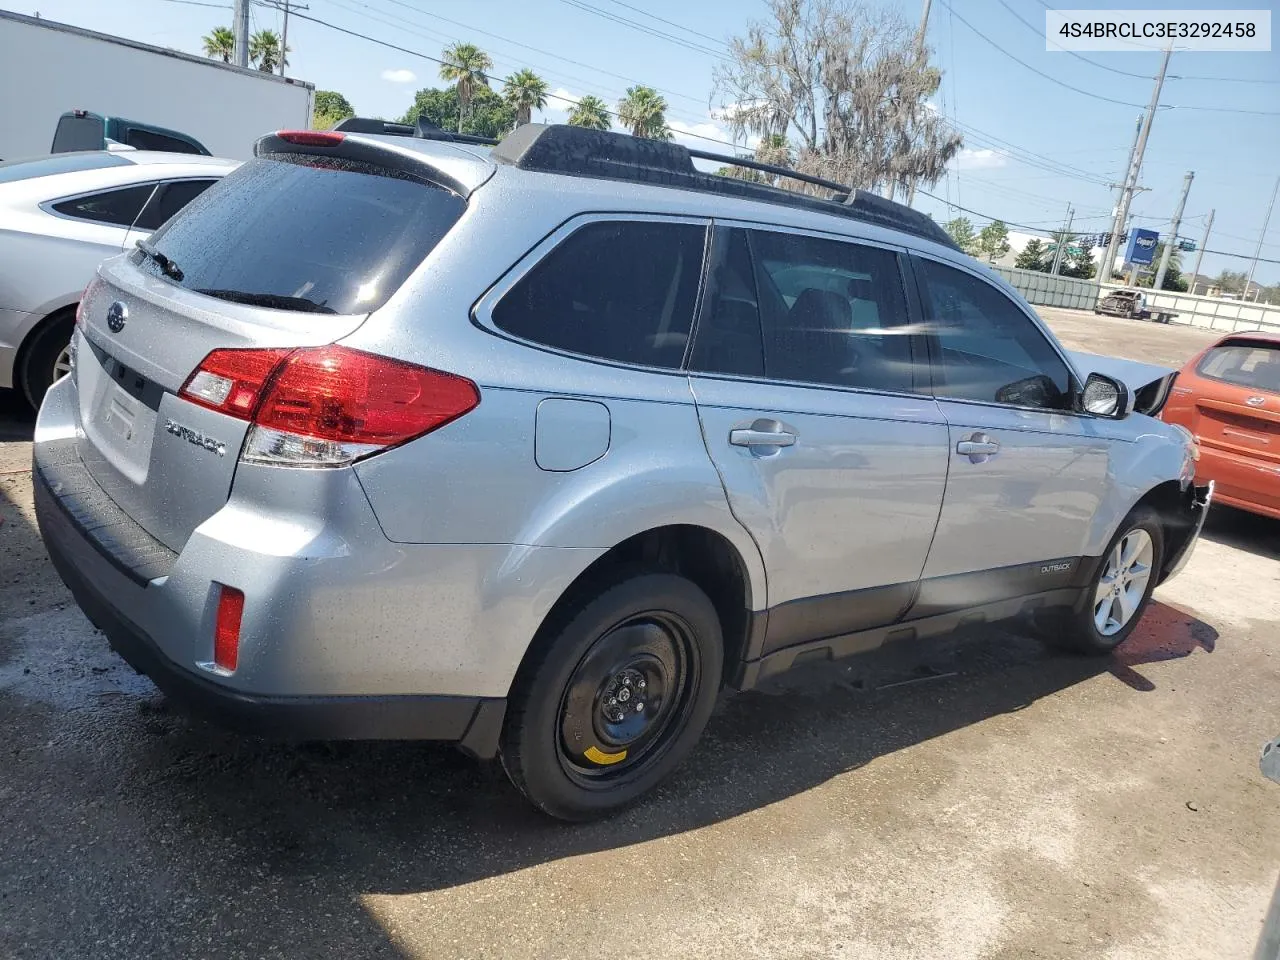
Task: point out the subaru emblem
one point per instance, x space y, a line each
117 316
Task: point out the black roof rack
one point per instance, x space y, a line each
577 151
423 130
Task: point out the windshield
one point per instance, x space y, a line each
303 232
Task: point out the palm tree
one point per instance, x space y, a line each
526 91
220 43
591 112
644 112
467 67
265 52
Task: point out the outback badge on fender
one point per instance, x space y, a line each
196 437
1062 566
117 316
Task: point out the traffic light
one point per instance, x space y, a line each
1186 245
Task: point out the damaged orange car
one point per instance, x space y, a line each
1228 396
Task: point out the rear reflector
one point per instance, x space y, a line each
327 406
226 628
312 138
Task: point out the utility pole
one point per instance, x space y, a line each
1266 222
240 26
1200 255
1158 284
1060 254
1117 225
1135 168
924 27
920 38
284 37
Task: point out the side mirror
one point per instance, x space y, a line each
1103 396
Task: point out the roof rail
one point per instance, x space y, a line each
423 130
577 151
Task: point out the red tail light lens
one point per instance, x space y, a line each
231 381
327 406
226 628
84 298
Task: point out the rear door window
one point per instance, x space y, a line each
1252 365
304 232
168 200
119 208
834 312
617 290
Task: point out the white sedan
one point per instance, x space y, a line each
60 216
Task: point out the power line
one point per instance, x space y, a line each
985 38
421 30
670 23
1098 96
547 53
424 56
1029 226
644 28
1101 66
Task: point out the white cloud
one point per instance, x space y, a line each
399 76
971 159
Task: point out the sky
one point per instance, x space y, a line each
1032 144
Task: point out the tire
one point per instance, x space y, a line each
1087 627
42 358
571 741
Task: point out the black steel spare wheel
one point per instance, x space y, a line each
613 694
629 693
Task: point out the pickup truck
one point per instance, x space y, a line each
1131 304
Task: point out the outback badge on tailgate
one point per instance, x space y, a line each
196 437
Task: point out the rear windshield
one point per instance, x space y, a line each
1253 365
309 233
13 170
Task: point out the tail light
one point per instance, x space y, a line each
226 628
326 406
312 138
84 298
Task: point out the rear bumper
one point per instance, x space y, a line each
473 722
1249 483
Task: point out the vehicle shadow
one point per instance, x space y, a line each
319 826
1242 530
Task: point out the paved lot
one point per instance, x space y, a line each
1021 805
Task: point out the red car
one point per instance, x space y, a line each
1229 397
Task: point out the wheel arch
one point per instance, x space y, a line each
67 311
705 556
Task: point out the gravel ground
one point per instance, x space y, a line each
1021 804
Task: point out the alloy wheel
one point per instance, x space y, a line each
1123 582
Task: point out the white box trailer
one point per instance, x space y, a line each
47 69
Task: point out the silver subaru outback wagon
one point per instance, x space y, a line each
533 449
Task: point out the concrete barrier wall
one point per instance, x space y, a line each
1050 291
1209 312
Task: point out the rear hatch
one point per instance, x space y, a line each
293 249
1238 411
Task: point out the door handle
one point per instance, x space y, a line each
978 448
761 438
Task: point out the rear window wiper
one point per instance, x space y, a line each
274 300
164 263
